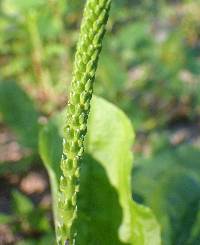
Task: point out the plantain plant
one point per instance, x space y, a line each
103 211
86 59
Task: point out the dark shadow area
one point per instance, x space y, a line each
169 184
100 214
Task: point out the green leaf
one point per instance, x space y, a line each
22 205
5 219
30 217
195 231
107 214
110 138
38 220
99 211
169 183
19 113
50 149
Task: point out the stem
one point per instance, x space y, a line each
85 65
42 74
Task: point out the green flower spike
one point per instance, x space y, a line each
85 65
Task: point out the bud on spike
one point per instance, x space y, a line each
85 64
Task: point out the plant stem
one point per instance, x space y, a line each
85 65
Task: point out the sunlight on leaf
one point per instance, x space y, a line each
106 210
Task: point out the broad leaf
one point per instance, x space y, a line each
19 113
170 184
50 148
107 214
109 141
21 204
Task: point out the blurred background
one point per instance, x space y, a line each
149 67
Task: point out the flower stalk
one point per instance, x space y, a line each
86 59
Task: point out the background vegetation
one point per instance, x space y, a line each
149 67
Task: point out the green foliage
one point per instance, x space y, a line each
169 183
109 140
50 149
160 61
149 67
24 5
104 201
26 218
5 219
21 204
143 39
19 113
48 239
30 218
